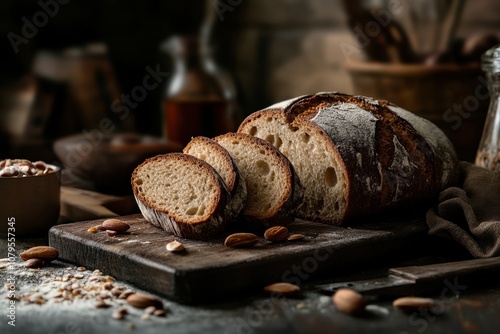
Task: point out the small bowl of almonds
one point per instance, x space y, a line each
30 197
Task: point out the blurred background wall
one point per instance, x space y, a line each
272 50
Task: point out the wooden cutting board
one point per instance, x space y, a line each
208 268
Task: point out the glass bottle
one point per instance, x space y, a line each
196 99
488 155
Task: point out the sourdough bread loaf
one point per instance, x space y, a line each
356 155
182 194
274 191
219 158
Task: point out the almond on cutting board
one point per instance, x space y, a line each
115 225
175 246
295 237
241 240
276 233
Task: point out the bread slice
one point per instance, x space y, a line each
219 158
181 194
356 155
274 191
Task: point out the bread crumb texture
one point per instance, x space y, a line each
267 177
315 162
178 187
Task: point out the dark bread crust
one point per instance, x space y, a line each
422 178
202 229
285 212
387 126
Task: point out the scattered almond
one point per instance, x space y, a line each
295 237
348 301
241 240
119 315
93 229
125 294
115 225
101 304
413 303
150 309
41 252
36 299
34 263
140 300
160 313
175 246
104 295
81 268
109 279
301 306
276 233
116 292
282 288
111 233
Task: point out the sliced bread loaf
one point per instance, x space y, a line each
181 194
356 155
274 191
219 158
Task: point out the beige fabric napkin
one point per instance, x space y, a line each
470 213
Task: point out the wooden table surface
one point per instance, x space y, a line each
474 308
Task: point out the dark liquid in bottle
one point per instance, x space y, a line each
189 118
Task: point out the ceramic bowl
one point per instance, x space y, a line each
30 205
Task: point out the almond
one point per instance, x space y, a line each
115 225
118 314
41 252
295 237
413 303
348 301
241 240
142 301
282 288
150 309
125 294
111 233
160 313
175 246
101 304
93 229
276 233
34 263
